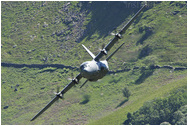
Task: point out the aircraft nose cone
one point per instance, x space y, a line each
81 67
84 72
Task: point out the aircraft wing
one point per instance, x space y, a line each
117 36
59 95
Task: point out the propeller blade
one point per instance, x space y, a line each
58 89
103 45
72 76
46 107
112 34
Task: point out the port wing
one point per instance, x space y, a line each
59 95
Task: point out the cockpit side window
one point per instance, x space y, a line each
83 65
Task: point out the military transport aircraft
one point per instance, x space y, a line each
94 69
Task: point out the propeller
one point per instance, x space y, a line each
117 35
102 49
58 93
58 88
112 34
71 77
103 45
114 30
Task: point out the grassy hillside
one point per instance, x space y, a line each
52 33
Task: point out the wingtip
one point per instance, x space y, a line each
145 3
33 118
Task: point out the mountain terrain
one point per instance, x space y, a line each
41 49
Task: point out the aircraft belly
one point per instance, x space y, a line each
95 70
94 75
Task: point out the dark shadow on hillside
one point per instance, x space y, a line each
40 66
84 102
49 70
144 76
145 52
107 15
148 31
120 104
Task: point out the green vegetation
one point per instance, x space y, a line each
159 85
126 92
52 33
172 109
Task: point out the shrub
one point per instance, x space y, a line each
126 92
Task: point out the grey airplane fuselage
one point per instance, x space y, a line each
94 70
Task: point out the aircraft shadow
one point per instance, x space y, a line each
86 99
84 102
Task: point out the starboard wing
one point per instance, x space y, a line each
131 21
117 36
59 95
46 107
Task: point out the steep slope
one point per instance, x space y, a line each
48 33
37 32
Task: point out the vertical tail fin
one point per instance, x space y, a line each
90 53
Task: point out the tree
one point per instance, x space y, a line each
180 116
169 110
126 92
177 116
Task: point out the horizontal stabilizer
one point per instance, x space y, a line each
90 53
114 52
83 83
